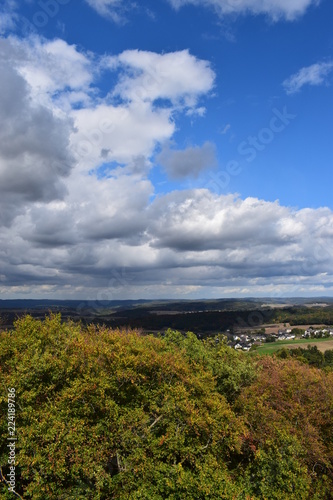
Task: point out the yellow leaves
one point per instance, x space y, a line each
96 393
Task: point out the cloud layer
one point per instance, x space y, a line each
80 216
190 242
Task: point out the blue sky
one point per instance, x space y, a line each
175 148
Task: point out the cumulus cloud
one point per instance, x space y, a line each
34 145
131 129
47 133
190 241
316 74
108 133
73 186
57 74
189 162
177 77
198 220
79 216
276 9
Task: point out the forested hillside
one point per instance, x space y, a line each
113 414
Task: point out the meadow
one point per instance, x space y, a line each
322 344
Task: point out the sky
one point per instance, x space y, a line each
166 149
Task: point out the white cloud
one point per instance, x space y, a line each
198 220
316 74
78 212
64 202
34 145
276 9
189 162
110 238
108 133
113 9
176 76
60 78
131 129
53 69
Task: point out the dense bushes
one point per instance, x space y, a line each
311 355
105 414
301 315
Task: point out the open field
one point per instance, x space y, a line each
269 328
322 344
274 328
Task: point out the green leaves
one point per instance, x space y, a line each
103 412
107 414
289 414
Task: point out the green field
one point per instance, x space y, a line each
275 346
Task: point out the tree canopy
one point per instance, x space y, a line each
105 414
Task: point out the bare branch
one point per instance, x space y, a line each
155 421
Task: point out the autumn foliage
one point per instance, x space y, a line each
112 414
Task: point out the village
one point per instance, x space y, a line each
248 340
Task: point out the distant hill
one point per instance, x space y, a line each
164 304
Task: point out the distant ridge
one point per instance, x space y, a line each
31 303
46 303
